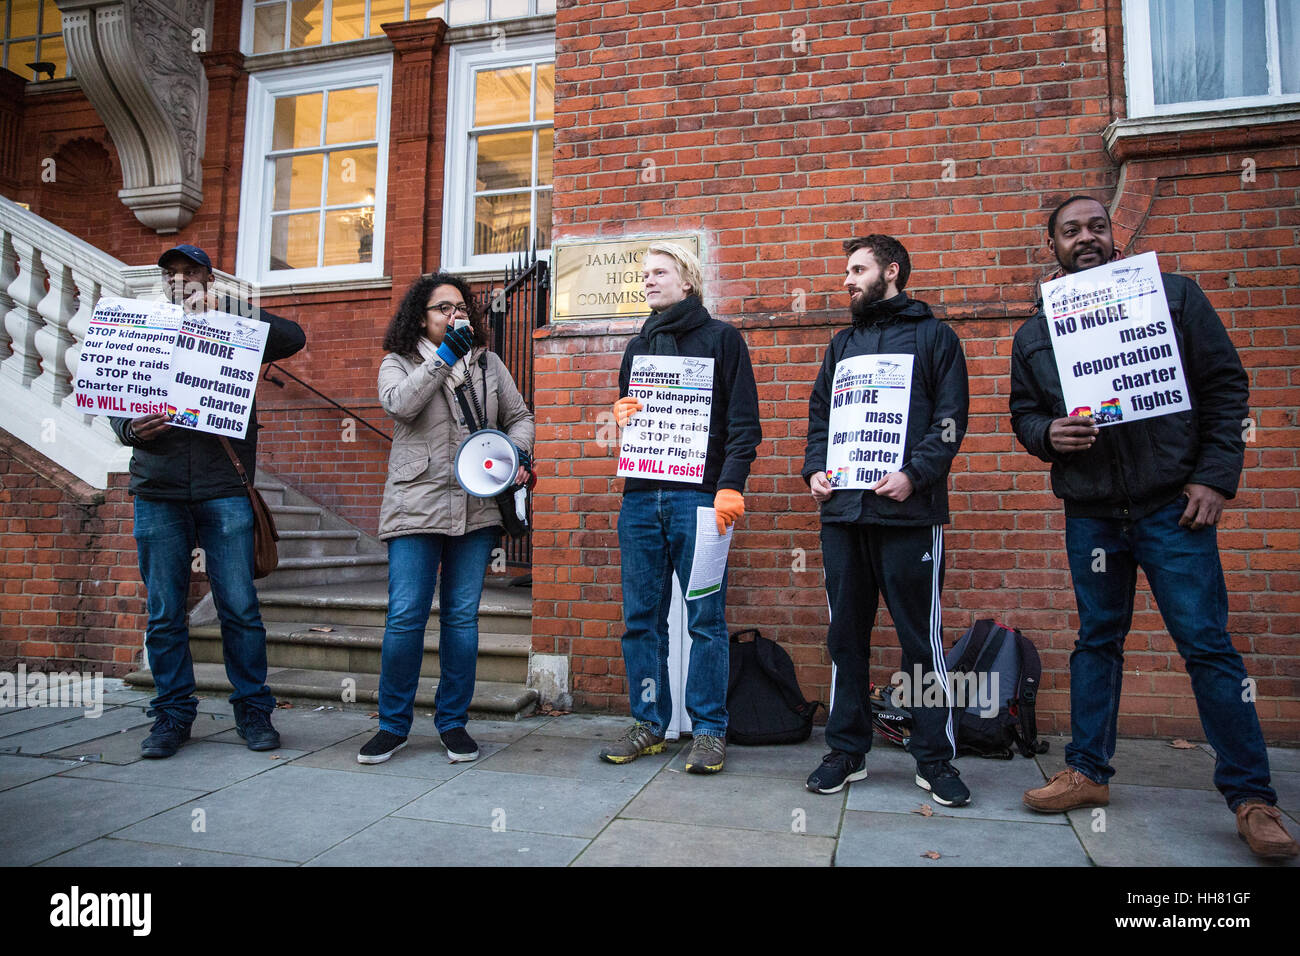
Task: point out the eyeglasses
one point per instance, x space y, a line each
447 308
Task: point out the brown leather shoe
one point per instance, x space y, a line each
1261 827
1067 790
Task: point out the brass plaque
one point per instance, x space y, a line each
602 278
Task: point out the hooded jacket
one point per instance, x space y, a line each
1136 468
936 418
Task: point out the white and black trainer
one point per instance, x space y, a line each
838 769
460 745
380 747
943 782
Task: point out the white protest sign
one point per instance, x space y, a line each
868 421
1114 342
125 363
668 440
217 360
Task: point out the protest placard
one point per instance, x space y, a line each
1114 342
125 363
216 365
868 420
668 439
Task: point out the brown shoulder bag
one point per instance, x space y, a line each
266 555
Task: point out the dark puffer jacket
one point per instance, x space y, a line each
185 465
936 417
1136 468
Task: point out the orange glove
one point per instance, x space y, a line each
728 505
624 409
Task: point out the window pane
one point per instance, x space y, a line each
1288 29
348 20
268 28
20 54
466 11
388 11
504 9
306 24
294 240
22 20
501 223
1207 50
545 91
52 51
51 19
545 6
545 156
505 161
437 10
297 182
352 177
501 96
351 115
349 236
297 121
542 229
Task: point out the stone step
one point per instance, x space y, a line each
357 650
314 544
502 610
493 700
331 570
295 517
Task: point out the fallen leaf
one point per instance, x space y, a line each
283 704
323 630
275 756
924 810
930 855
1181 744
373 714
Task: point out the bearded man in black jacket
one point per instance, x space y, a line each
187 490
1147 494
889 538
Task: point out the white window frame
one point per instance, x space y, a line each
258 189
1141 85
327 25
458 205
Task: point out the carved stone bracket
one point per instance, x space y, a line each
138 63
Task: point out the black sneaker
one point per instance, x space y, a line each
837 769
943 782
254 726
165 737
460 745
380 747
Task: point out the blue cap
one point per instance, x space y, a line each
193 253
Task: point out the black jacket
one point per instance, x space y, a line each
185 465
734 428
1136 468
936 417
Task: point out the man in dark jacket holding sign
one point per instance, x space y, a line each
888 538
658 520
1148 494
187 489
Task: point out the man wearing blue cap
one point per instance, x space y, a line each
187 490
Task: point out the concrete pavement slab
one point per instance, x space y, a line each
891 839
588 726
649 843
306 730
46 817
397 841
1285 759
47 739
287 813
422 757
16 770
20 720
110 851
124 748
1162 826
199 765
505 731
573 757
1145 763
539 804
1287 788
737 801
789 762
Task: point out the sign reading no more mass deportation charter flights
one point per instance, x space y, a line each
144 358
668 440
868 420
604 279
1114 342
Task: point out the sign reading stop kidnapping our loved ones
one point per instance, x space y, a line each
668 439
1114 342
868 421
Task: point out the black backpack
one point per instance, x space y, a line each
1004 658
764 702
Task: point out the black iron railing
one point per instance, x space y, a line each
279 383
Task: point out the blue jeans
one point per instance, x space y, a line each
165 535
1182 566
656 534
413 562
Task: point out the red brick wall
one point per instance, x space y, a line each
774 156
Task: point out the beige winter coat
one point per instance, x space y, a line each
422 495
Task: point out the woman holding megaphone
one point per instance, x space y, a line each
440 383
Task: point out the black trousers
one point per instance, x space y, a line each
905 564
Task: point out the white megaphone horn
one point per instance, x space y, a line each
486 463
